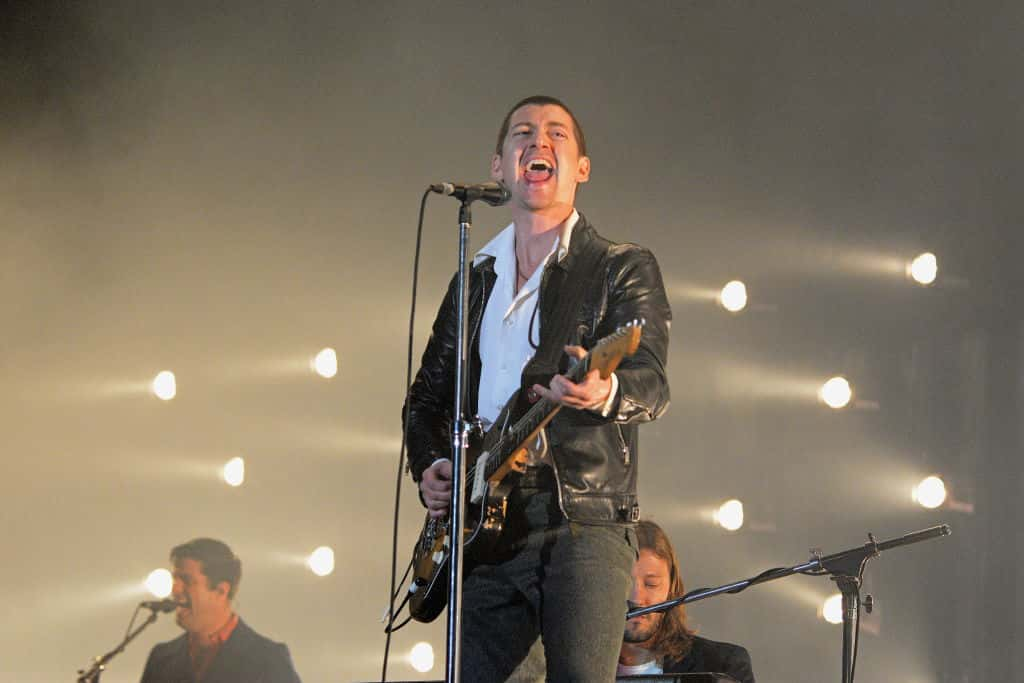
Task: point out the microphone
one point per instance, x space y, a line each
494 194
165 605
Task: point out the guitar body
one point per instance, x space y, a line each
494 466
487 531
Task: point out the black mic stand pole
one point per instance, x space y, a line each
846 568
460 439
92 675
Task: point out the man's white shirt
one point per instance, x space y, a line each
505 328
505 347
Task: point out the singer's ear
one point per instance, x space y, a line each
496 168
223 588
583 170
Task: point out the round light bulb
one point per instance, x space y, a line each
924 268
234 472
326 363
733 296
729 515
321 561
165 387
836 393
159 583
930 492
421 657
832 609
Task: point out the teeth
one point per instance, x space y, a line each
539 165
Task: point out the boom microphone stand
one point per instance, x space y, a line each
846 568
99 664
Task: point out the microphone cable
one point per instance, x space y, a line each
390 616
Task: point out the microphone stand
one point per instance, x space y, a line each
846 568
92 675
460 441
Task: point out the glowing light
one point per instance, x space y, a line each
164 385
836 393
326 363
234 472
832 609
924 268
734 296
421 657
929 493
159 583
321 561
729 515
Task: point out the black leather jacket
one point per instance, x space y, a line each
595 458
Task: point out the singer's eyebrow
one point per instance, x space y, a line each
529 126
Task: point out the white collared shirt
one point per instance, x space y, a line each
505 347
505 331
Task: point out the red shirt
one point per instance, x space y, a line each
203 649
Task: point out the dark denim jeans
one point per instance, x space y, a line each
568 583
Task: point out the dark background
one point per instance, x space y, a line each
222 189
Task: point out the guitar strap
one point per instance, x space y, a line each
560 300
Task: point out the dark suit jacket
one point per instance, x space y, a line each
714 657
246 657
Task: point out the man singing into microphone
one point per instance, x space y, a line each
217 646
546 289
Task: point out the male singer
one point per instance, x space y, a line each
217 646
544 290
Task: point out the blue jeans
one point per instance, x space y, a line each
567 583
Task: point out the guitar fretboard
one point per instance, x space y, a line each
514 438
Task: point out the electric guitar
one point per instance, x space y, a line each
494 465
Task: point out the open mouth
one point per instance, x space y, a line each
538 170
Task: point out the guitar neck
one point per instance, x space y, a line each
608 352
531 420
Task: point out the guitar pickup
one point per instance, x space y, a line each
479 478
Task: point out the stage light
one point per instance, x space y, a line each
836 393
733 296
832 609
729 515
421 657
924 268
321 561
930 492
234 472
164 385
326 363
159 583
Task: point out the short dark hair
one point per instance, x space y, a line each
215 559
542 100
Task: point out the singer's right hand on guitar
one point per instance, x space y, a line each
436 488
591 392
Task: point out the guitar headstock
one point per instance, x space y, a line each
609 352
